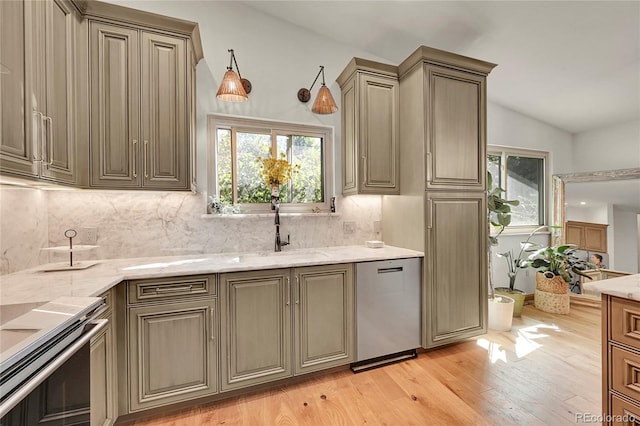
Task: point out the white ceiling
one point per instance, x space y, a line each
572 64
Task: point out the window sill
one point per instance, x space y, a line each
270 215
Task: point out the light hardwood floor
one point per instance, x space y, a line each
544 371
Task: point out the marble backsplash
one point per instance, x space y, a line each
145 223
23 228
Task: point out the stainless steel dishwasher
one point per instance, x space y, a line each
388 311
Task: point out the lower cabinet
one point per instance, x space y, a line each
258 341
172 341
103 369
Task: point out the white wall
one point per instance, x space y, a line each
512 129
609 148
625 240
593 214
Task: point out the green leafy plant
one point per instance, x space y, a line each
514 264
499 209
558 261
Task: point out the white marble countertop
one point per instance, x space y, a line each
32 285
627 286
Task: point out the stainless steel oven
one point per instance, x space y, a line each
45 361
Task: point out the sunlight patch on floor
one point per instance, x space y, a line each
525 343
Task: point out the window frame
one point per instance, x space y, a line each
274 128
504 152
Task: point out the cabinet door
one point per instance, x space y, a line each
102 378
456 135
172 353
378 135
574 234
255 327
17 153
349 138
324 317
595 238
58 149
164 112
455 305
115 106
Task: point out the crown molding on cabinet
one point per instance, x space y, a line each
443 58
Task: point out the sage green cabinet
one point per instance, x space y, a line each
324 317
456 120
441 209
172 337
454 305
38 95
140 133
255 319
264 339
370 128
104 368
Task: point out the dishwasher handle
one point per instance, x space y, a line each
390 270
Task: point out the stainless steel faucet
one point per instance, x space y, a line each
279 243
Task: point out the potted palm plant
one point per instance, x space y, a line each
554 265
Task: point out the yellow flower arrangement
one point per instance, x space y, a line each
276 171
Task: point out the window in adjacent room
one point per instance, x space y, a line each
235 145
522 173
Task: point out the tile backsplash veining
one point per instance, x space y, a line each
141 223
23 228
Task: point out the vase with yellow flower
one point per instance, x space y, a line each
276 172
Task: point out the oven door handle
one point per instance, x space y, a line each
47 370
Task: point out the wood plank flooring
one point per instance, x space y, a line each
543 372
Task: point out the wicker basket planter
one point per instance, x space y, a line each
552 303
552 294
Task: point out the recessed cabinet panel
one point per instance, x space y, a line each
456 286
164 111
114 106
324 317
256 327
162 370
59 145
16 148
456 130
379 133
349 138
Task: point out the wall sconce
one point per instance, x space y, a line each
324 103
233 88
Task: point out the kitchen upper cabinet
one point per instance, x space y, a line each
255 320
38 53
455 300
586 235
140 133
324 317
370 128
455 140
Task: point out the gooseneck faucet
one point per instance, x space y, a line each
279 243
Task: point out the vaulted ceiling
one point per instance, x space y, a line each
572 64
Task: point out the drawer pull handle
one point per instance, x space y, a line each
173 289
389 270
213 323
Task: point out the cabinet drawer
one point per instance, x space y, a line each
623 412
625 321
171 288
625 372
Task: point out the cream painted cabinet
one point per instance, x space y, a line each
370 128
455 141
255 339
172 336
140 133
454 305
260 310
324 322
38 95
